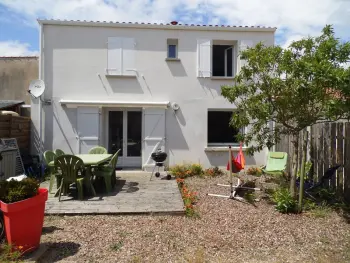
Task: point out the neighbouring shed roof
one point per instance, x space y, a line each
155 25
9 103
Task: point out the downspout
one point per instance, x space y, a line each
41 76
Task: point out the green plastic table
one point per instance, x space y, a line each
89 161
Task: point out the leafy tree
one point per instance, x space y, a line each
282 91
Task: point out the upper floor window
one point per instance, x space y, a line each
218 58
172 45
121 56
222 62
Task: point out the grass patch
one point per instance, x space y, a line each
320 211
8 254
197 257
117 246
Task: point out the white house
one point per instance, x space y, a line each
140 87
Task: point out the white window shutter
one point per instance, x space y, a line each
128 46
204 58
88 128
154 132
243 45
114 58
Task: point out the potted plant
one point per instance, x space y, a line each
23 205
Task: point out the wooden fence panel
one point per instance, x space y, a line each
326 149
340 158
346 162
320 155
329 145
333 151
16 127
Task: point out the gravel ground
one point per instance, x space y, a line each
227 231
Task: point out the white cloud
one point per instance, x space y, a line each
15 48
294 18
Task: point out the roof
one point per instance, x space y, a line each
9 103
155 25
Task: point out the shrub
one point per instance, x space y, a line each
186 170
196 169
14 191
284 201
254 171
212 172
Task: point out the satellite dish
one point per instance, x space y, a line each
36 88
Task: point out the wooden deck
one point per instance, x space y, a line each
133 194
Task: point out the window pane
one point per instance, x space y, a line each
219 130
115 134
171 51
134 133
229 63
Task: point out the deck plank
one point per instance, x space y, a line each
134 194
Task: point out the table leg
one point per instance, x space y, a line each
88 180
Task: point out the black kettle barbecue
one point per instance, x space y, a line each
159 157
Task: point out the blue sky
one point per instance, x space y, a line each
293 18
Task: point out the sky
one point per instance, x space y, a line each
294 19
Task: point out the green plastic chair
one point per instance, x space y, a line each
70 167
98 150
59 152
50 156
107 172
276 163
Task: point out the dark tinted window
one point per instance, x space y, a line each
219 129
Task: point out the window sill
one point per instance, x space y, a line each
120 76
223 148
222 78
172 59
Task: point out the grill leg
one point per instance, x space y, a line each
153 172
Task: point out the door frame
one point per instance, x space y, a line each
121 160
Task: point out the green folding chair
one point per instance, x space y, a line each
107 172
50 156
73 171
98 150
276 163
59 152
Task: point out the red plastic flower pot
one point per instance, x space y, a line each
24 221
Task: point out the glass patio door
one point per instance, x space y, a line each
125 132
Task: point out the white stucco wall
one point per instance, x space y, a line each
73 67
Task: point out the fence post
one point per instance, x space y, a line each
333 156
305 135
346 175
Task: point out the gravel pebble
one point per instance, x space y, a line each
227 231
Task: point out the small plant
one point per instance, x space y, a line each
321 211
196 169
9 254
249 197
186 170
284 201
254 171
212 172
117 246
14 191
189 198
